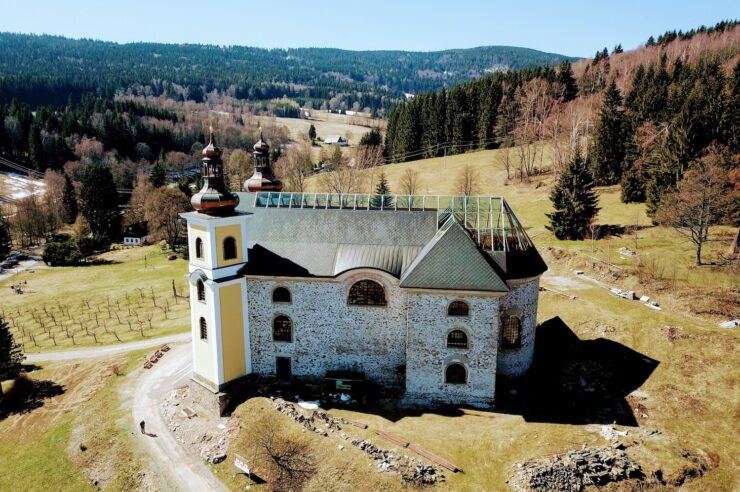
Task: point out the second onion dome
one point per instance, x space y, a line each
262 179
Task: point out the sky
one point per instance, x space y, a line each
570 27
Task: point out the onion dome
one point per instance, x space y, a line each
262 179
214 198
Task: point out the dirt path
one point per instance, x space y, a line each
171 460
93 352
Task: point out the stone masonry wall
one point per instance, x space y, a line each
520 301
328 334
428 355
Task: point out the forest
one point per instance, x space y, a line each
641 117
46 70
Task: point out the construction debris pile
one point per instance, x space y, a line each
412 471
208 436
575 470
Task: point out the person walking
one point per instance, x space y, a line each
142 424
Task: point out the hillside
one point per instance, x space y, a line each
45 69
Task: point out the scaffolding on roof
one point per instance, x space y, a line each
489 219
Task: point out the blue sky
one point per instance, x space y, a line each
576 28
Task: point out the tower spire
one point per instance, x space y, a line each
262 179
214 198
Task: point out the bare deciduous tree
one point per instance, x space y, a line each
468 181
409 183
295 167
162 212
238 168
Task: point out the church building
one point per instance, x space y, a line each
434 296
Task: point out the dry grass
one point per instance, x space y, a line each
126 300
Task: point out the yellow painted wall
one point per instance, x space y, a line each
232 332
196 231
204 363
222 233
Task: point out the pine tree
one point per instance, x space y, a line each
382 192
574 201
99 204
11 354
69 202
567 80
609 139
6 243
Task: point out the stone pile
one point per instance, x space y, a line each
576 470
308 421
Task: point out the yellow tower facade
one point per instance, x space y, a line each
217 244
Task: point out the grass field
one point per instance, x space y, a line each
75 437
128 299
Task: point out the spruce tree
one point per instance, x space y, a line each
158 176
69 202
574 201
381 198
6 243
312 133
99 204
36 148
11 354
609 139
567 80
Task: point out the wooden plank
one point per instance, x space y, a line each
434 458
392 438
356 423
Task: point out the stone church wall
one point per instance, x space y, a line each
520 301
328 334
428 355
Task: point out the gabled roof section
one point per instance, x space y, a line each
453 261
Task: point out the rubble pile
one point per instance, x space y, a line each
412 471
209 437
576 470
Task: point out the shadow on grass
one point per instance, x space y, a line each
574 381
26 395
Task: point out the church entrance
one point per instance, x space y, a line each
282 368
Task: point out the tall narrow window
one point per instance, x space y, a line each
203 329
457 339
456 374
281 294
511 332
282 329
367 293
199 248
201 291
229 248
458 308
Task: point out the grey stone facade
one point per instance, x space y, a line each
411 331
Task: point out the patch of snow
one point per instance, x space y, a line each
309 405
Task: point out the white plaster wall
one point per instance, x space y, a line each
328 334
428 354
521 301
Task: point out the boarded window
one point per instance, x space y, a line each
203 329
456 374
201 291
367 293
282 329
229 248
457 339
281 294
511 332
198 248
458 308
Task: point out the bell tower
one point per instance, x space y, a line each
217 243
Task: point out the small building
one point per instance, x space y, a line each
336 140
135 234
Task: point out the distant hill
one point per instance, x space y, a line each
45 69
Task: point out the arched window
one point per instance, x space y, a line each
367 293
282 329
456 374
458 308
457 339
511 332
198 248
229 248
201 291
281 294
203 329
